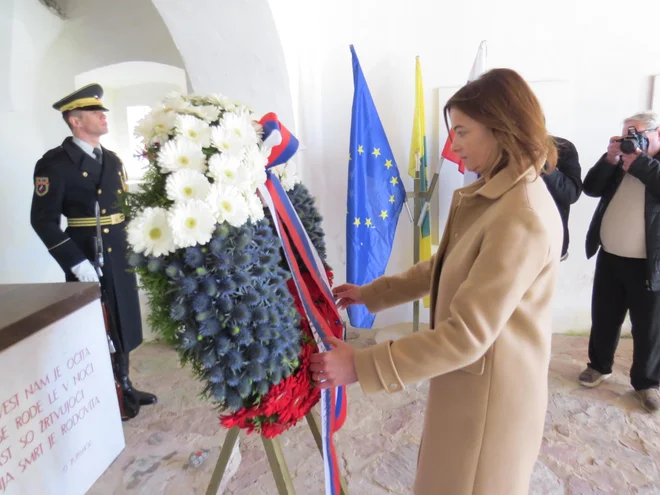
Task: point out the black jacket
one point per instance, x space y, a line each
603 180
565 183
69 182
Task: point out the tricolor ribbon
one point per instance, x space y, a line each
295 239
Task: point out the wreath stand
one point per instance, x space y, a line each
275 458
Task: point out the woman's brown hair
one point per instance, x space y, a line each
502 101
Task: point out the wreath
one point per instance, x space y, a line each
209 259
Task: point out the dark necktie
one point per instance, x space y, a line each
97 154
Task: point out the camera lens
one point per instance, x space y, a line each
629 145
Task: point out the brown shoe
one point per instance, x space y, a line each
650 399
592 378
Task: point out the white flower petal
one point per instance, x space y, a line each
179 154
149 233
229 171
193 129
229 205
185 185
255 207
192 223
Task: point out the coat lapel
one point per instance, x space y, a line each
88 166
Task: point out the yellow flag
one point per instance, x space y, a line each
418 155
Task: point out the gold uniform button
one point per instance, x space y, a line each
119 191
103 211
100 191
106 230
85 174
109 250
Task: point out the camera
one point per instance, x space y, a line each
633 141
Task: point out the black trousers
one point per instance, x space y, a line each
620 286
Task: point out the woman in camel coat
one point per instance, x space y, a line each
491 284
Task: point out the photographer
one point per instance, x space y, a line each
626 225
565 184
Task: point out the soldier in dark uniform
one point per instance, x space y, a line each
69 180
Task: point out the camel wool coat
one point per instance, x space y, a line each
487 352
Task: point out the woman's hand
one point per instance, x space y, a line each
347 295
336 367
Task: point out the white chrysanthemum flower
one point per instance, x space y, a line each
192 223
195 98
156 126
208 113
222 101
229 205
179 154
288 175
255 160
185 185
228 170
234 133
150 233
255 207
194 129
174 101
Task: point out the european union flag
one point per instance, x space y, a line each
375 196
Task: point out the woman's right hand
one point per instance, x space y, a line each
348 294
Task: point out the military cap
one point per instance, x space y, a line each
86 98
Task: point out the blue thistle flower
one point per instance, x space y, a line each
267 259
260 315
222 345
234 360
154 265
210 327
210 287
189 340
262 387
201 302
174 270
223 261
256 372
263 333
276 376
291 354
242 241
272 364
287 372
202 271
220 392
258 353
227 286
217 247
224 304
242 258
233 400
217 375
233 379
244 387
189 286
259 271
244 338
252 298
178 311
221 232
242 279
204 315
209 359
194 257
241 313
274 319
136 260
